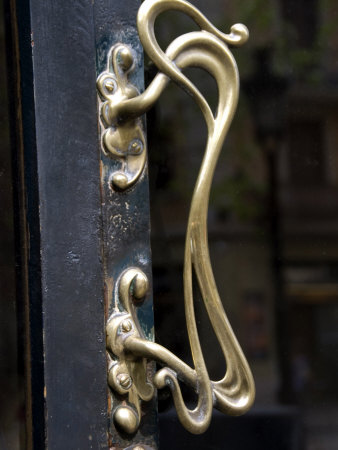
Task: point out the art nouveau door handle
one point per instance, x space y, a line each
121 107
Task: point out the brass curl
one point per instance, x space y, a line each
207 49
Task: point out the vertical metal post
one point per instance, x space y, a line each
126 215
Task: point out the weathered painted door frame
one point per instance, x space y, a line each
69 251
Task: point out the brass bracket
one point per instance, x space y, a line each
121 109
124 141
127 374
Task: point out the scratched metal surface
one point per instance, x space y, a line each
126 217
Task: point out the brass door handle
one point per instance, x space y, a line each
121 107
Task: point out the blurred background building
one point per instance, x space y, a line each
273 230
273 222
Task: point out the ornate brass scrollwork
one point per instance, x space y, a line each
123 140
122 109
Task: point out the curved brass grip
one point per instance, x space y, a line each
121 109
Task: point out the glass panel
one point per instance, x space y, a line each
273 220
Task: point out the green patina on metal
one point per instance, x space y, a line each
125 213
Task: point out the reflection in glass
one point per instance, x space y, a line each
273 222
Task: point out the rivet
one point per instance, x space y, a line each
140 286
127 419
126 326
118 180
125 58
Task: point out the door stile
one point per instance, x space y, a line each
125 212
61 213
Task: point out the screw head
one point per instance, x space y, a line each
110 85
135 147
126 326
125 380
